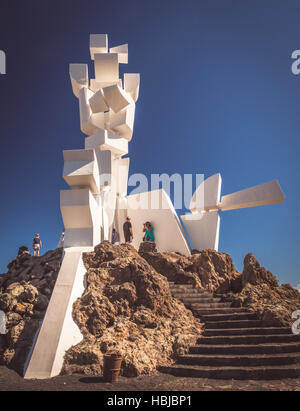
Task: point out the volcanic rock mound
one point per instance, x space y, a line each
206 269
25 291
255 288
259 290
128 307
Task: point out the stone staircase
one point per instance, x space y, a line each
235 344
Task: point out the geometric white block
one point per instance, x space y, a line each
122 52
120 176
81 169
116 98
81 217
97 102
98 121
122 123
104 140
106 68
104 159
203 229
207 195
80 204
98 44
79 77
59 332
85 112
96 86
268 193
132 84
157 208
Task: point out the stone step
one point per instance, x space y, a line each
195 306
220 310
189 300
191 296
245 349
238 373
248 339
180 286
229 317
233 324
240 360
181 291
247 331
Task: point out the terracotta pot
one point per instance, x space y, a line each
112 366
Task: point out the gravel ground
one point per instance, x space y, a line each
11 381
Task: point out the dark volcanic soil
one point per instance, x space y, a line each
11 381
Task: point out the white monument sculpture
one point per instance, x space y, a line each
203 224
97 199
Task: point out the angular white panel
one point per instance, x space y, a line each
203 229
109 199
59 331
106 68
122 52
79 77
98 44
105 159
85 112
207 195
98 121
120 175
105 140
81 169
116 98
132 84
122 123
97 102
79 203
267 193
120 216
169 235
96 86
81 216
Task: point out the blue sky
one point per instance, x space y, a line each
217 95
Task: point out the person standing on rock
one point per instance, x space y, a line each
36 245
115 237
149 232
127 228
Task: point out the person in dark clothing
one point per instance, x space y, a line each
127 228
36 245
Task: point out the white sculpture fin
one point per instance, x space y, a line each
267 193
207 195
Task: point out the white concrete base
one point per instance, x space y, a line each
59 332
